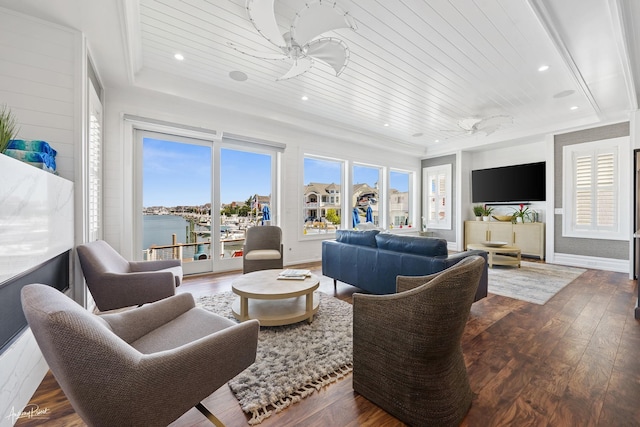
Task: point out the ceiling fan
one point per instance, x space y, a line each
302 44
488 125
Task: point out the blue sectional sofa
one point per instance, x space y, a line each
371 260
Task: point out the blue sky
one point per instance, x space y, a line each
180 174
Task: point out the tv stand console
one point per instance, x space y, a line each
528 236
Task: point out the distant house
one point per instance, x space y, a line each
320 197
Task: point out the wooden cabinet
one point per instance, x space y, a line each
529 237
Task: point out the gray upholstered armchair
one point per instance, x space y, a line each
406 346
262 248
115 282
142 367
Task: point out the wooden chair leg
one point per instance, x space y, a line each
200 407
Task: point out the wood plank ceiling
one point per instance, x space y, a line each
417 66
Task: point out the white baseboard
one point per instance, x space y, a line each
608 264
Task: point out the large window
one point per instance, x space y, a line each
245 196
437 196
596 185
322 195
399 199
365 195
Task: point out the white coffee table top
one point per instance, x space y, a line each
265 284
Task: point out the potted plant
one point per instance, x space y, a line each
478 210
486 211
8 127
522 214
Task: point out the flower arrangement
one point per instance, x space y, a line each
486 210
524 213
478 210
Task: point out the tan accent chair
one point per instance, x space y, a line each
141 367
407 357
262 249
115 282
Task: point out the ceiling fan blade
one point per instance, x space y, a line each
492 124
318 17
299 67
263 17
261 55
469 124
331 51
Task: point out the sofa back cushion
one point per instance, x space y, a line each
428 246
360 238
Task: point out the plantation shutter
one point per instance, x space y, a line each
94 165
606 197
595 191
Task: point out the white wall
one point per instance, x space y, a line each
153 105
39 81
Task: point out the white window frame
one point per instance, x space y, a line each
621 186
427 174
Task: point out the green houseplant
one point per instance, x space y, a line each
8 127
478 210
486 212
522 214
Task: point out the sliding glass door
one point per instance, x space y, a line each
196 198
176 200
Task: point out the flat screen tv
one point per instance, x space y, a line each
509 184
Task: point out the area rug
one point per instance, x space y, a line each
532 282
292 361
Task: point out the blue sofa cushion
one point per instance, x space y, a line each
428 246
360 238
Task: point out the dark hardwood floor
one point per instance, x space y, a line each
574 361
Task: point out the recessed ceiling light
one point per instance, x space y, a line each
386 125
575 107
543 68
437 140
305 97
238 76
179 56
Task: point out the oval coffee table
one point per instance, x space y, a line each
273 301
495 257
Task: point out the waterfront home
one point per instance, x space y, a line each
431 92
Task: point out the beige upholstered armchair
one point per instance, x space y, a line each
115 282
262 248
406 346
142 367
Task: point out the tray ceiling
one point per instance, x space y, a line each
416 67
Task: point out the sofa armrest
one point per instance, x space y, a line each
133 324
200 367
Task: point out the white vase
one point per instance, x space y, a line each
485 218
478 218
518 219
